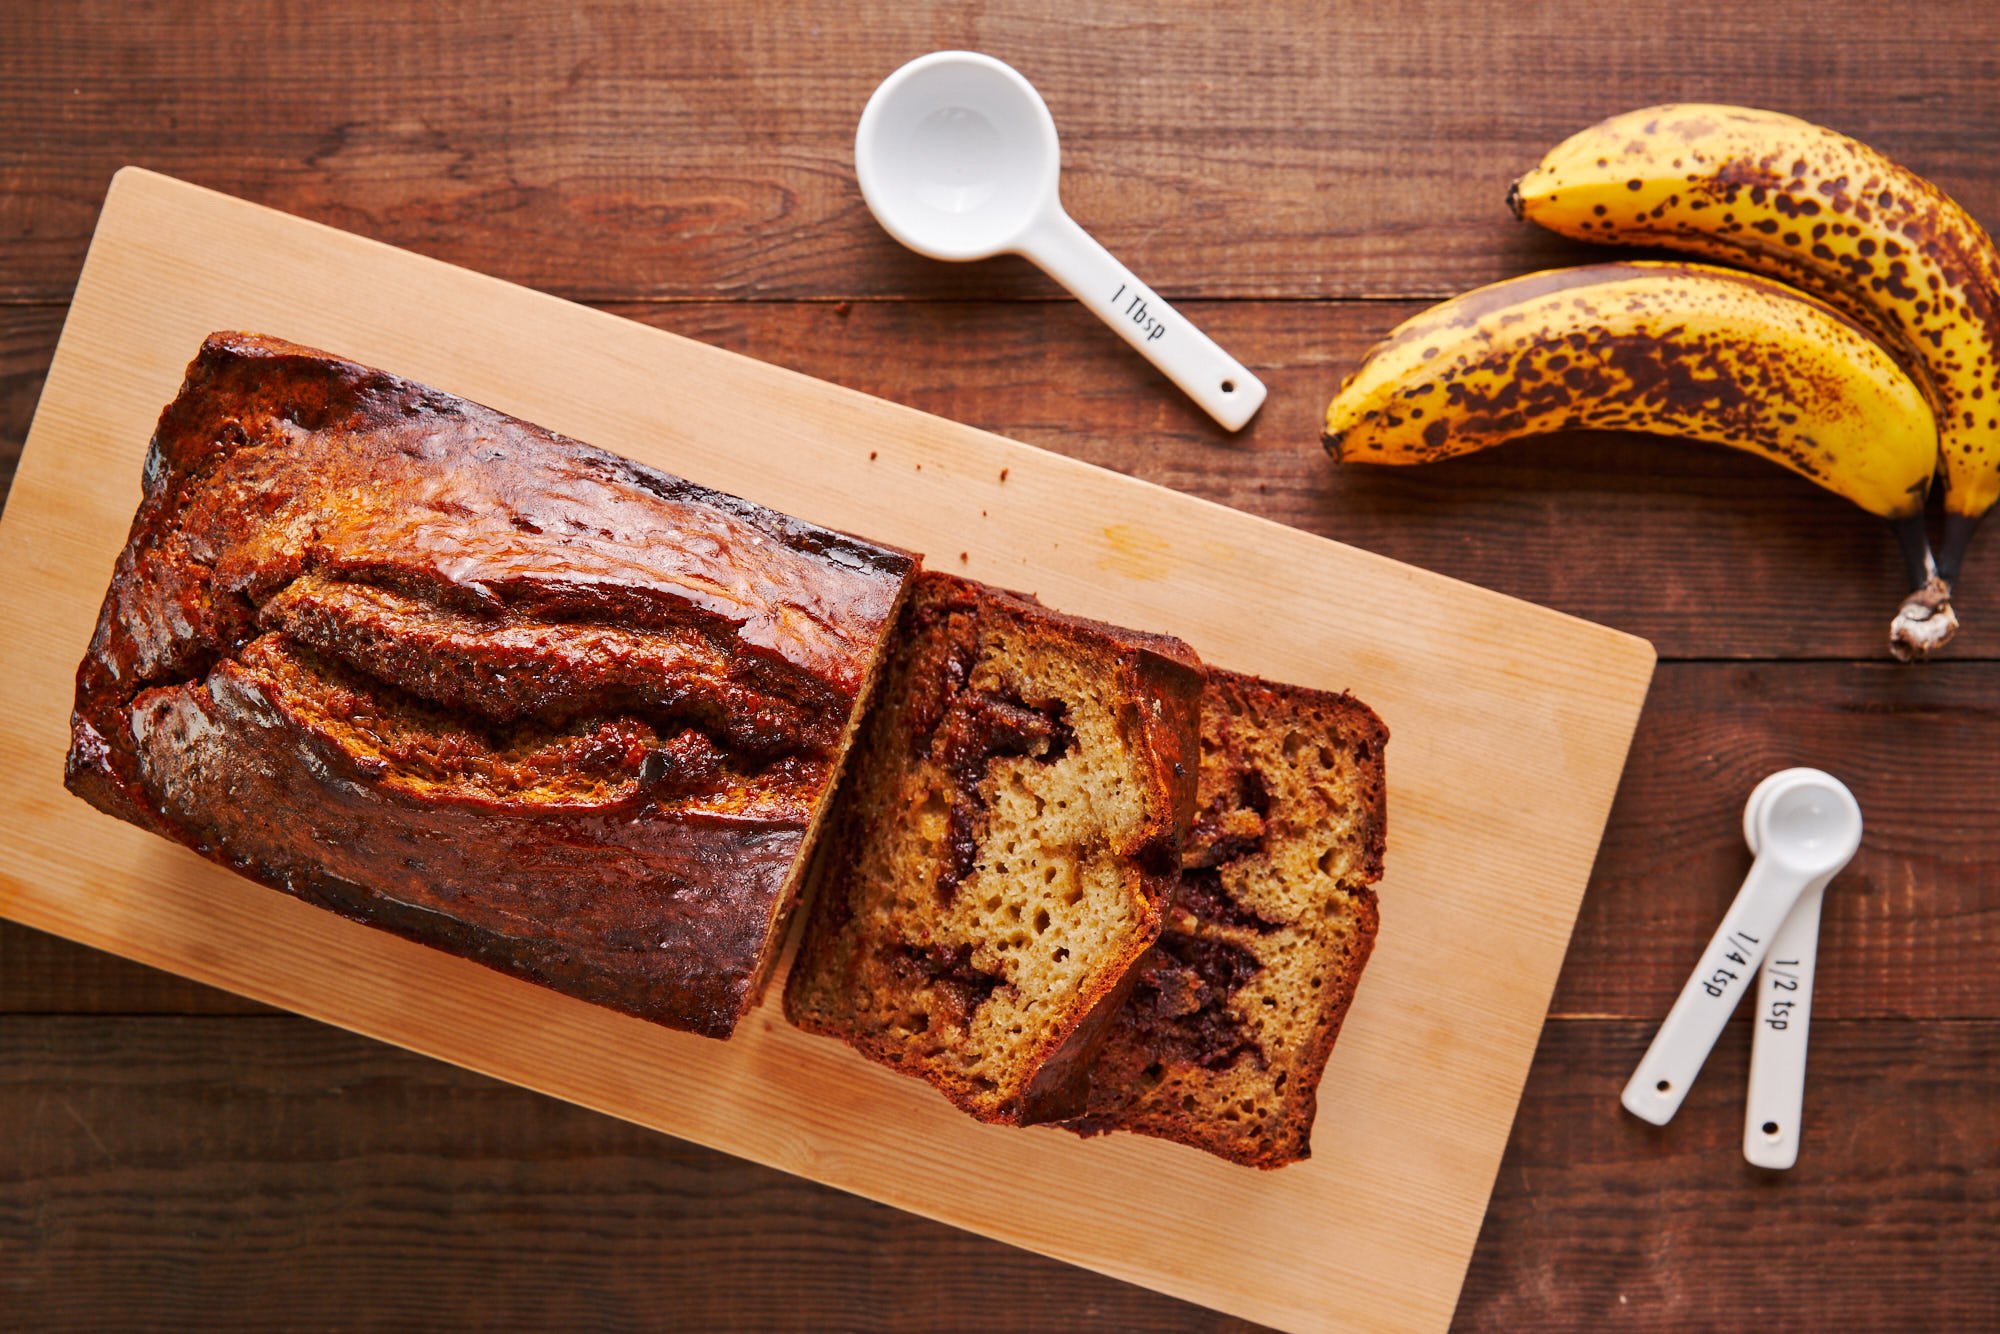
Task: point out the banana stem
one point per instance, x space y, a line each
1925 622
1916 546
1958 530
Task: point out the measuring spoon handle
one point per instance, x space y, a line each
1211 377
1728 970
1775 1105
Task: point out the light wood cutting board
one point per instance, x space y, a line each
1509 726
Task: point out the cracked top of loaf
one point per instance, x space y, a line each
447 672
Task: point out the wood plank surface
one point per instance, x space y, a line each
611 150
27 341
689 166
1511 726
237 1172
1910 928
1600 1221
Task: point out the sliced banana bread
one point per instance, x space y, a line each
1228 1027
1002 849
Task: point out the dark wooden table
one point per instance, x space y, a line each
1301 177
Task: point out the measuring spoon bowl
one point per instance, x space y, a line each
1809 820
957 156
1755 804
958 159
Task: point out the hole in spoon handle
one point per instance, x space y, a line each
1219 383
1774 1106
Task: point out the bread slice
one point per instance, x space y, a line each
1234 1012
1002 848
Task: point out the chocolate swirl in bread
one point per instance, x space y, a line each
1233 1014
1003 850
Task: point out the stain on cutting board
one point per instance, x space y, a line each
1136 553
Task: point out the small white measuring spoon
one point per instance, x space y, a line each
1774 1110
958 160
1805 826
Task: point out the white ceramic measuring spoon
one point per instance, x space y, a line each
958 160
1774 1109
1807 827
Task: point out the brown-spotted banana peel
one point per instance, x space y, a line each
1830 215
1682 350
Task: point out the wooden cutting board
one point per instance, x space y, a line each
1510 725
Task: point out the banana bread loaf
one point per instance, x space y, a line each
1226 1033
1002 848
445 672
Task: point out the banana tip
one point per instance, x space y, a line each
1924 623
1514 200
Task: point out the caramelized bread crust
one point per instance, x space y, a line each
1002 849
1234 1012
448 673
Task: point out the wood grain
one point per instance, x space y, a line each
285 1152
27 341
1511 727
1600 1221
1706 552
1911 927
615 150
235 1172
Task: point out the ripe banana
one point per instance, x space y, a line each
1825 213
1676 349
